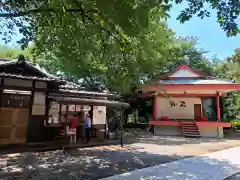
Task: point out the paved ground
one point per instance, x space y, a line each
234 177
95 163
211 166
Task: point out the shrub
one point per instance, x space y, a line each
236 124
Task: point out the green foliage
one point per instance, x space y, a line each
230 105
227 13
184 50
230 70
236 124
13 53
103 60
107 17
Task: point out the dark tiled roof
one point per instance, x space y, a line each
70 85
18 76
65 86
102 102
42 74
86 92
3 60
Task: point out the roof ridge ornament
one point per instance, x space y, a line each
21 58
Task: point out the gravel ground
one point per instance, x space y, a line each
100 162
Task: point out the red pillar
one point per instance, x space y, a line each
154 106
218 107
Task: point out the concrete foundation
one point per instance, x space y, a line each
205 131
211 131
168 130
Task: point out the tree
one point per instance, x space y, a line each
13 53
103 61
114 18
230 69
184 50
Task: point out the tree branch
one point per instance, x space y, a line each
84 15
41 10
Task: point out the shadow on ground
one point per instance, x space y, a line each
93 163
84 164
189 169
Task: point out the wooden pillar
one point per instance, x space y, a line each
47 105
218 107
31 100
1 91
154 106
60 113
30 109
91 113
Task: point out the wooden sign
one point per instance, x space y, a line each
54 108
174 104
78 108
71 107
38 110
64 108
99 115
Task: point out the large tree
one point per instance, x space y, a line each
109 16
103 60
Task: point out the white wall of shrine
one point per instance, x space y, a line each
177 112
184 73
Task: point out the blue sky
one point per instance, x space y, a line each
211 37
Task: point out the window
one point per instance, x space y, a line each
57 112
53 116
209 108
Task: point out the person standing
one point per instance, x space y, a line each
87 125
73 128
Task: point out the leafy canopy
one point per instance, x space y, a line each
115 18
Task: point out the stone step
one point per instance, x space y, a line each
190 129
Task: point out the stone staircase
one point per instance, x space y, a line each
190 129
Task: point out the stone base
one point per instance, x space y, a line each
168 130
216 132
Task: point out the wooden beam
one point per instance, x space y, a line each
149 94
47 106
218 108
155 106
31 100
23 88
220 87
187 95
30 108
1 91
60 113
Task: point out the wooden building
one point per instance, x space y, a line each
34 102
187 102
